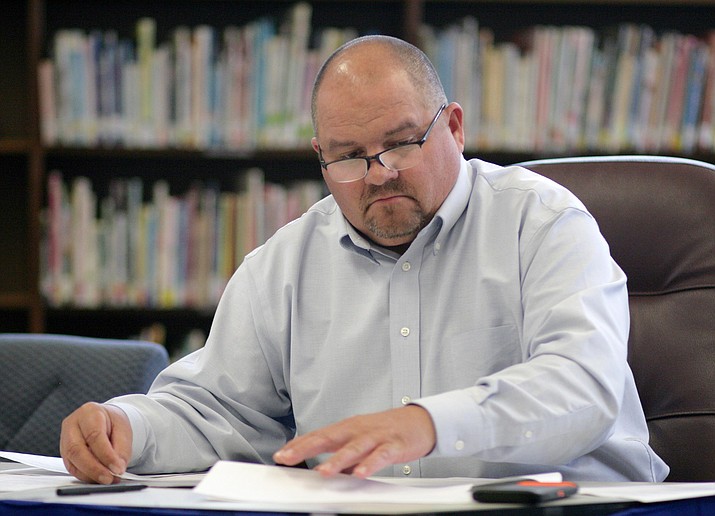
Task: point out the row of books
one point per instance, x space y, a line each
549 88
234 88
166 251
572 88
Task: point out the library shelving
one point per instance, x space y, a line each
500 41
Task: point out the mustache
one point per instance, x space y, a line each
393 187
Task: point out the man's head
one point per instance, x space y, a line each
373 94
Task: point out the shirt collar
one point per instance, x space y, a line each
457 200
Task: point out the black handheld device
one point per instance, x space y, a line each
523 491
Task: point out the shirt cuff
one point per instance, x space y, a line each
455 415
139 429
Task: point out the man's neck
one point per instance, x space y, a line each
399 249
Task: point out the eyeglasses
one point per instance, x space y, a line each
399 157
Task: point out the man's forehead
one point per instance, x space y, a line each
383 98
389 102
359 131
360 70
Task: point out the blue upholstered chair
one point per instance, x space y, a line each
45 377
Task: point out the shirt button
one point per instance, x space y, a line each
405 331
459 445
405 400
528 434
406 266
406 469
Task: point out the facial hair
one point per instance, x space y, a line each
389 222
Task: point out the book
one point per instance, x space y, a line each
693 97
648 88
83 238
57 282
706 133
145 45
666 57
641 86
49 132
298 27
583 39
182 130
672 124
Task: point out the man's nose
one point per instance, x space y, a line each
378 174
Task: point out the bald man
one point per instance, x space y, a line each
432 317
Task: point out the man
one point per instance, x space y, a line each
433 317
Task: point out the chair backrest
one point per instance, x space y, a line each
658 216
45 377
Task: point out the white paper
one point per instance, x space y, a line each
55 464
13 482
244 482
650 493
37 461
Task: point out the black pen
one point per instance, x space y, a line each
98 488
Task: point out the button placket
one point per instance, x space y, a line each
404 311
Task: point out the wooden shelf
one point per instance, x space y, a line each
10 146
18 301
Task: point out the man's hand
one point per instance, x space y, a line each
365 444
96 443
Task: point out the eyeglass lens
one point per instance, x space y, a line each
399 158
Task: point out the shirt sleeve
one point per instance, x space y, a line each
562 400
225 401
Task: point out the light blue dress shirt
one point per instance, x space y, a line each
506 319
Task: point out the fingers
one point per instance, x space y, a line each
309 445
363 456
95 443
365 444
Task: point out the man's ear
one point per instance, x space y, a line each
456 126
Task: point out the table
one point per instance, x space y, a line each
184 502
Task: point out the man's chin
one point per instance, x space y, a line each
388 223
392 233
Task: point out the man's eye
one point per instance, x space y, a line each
403 143
351 155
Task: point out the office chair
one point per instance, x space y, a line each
45 377
658 216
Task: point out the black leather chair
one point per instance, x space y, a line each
658 216
45 377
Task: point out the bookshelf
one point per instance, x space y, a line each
27 37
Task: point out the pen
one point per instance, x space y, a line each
91 489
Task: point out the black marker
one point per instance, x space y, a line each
94 488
